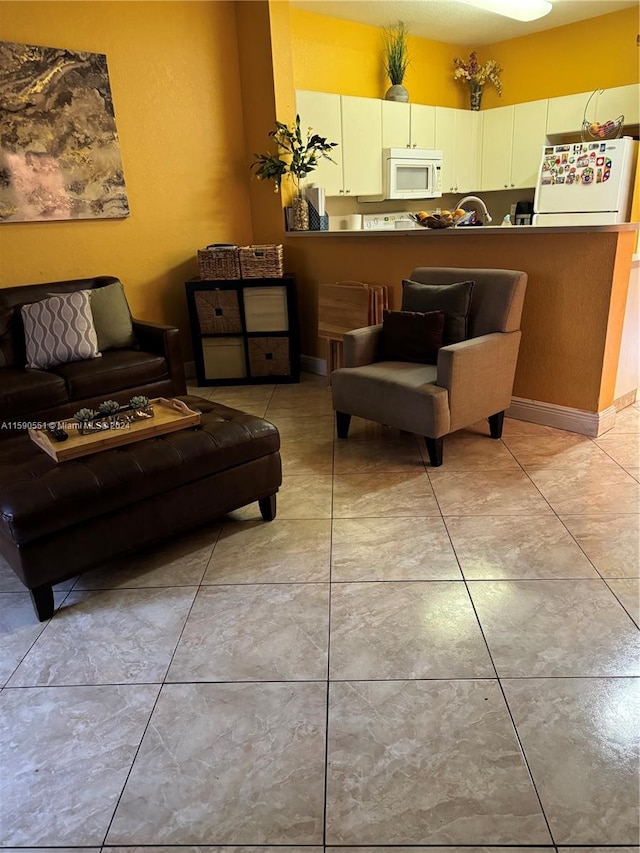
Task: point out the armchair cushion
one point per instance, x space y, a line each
59 329
453 299
412 336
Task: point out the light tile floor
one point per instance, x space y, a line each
443 659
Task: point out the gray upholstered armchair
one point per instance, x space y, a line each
472 379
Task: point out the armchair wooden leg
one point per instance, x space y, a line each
434 448
342 424
495 424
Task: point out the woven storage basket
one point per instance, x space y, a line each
261 261
219 263
218 311
269 356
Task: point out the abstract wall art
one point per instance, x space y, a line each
59 150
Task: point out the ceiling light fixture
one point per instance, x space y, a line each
519 10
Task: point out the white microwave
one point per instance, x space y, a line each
410 173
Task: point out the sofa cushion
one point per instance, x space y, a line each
111 317
412 336
23 390
453 299
117 370
59 329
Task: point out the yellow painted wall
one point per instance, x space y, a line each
332 55
175 79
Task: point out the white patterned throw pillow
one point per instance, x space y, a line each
59 329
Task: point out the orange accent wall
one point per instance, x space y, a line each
175 78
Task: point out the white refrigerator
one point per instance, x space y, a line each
586 183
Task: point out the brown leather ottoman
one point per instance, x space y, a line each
59 519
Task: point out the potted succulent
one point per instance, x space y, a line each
296 157
396 61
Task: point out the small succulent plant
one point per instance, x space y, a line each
109 407
84 415
139 402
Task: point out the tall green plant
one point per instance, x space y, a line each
396 52
297 155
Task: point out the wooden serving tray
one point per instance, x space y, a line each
169 416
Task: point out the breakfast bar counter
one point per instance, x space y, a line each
574 310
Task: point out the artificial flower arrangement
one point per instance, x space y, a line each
473 73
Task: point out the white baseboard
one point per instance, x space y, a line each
562 417
311 364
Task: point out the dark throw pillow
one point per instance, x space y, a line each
412 336
453 299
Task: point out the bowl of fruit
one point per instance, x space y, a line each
444 219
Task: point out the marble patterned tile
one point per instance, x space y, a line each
627 591
383 495
623 448
228 764
204 848
610 541
60 788
363 429
263 632
108 637
426 762
310 458
560 450
555 628
512 547
580 737
384 549
305 430
305 496
627 421
593 490
10 582
469 451
513 426
292 402
405 629
448 849
180 561
19 629
486 493
635 472
376 455
282 551
616 849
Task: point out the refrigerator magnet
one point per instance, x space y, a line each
587 175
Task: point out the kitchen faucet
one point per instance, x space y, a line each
486 218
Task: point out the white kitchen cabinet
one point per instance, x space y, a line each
322 112
356 124
361 146
565 114
621 100
456 135
512 141
408 125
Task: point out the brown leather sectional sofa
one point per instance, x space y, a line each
154 367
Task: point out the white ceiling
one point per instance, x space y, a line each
456 23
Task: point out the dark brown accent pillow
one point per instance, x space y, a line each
453 299
412 336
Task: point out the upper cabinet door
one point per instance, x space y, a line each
621 100
445 142
467 150
496 148
423 126
529 126
322 112
396 118
362 145
566 113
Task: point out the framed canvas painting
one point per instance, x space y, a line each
59 149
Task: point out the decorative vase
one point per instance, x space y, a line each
397 93
475 94
300 211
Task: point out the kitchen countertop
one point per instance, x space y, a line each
478 230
